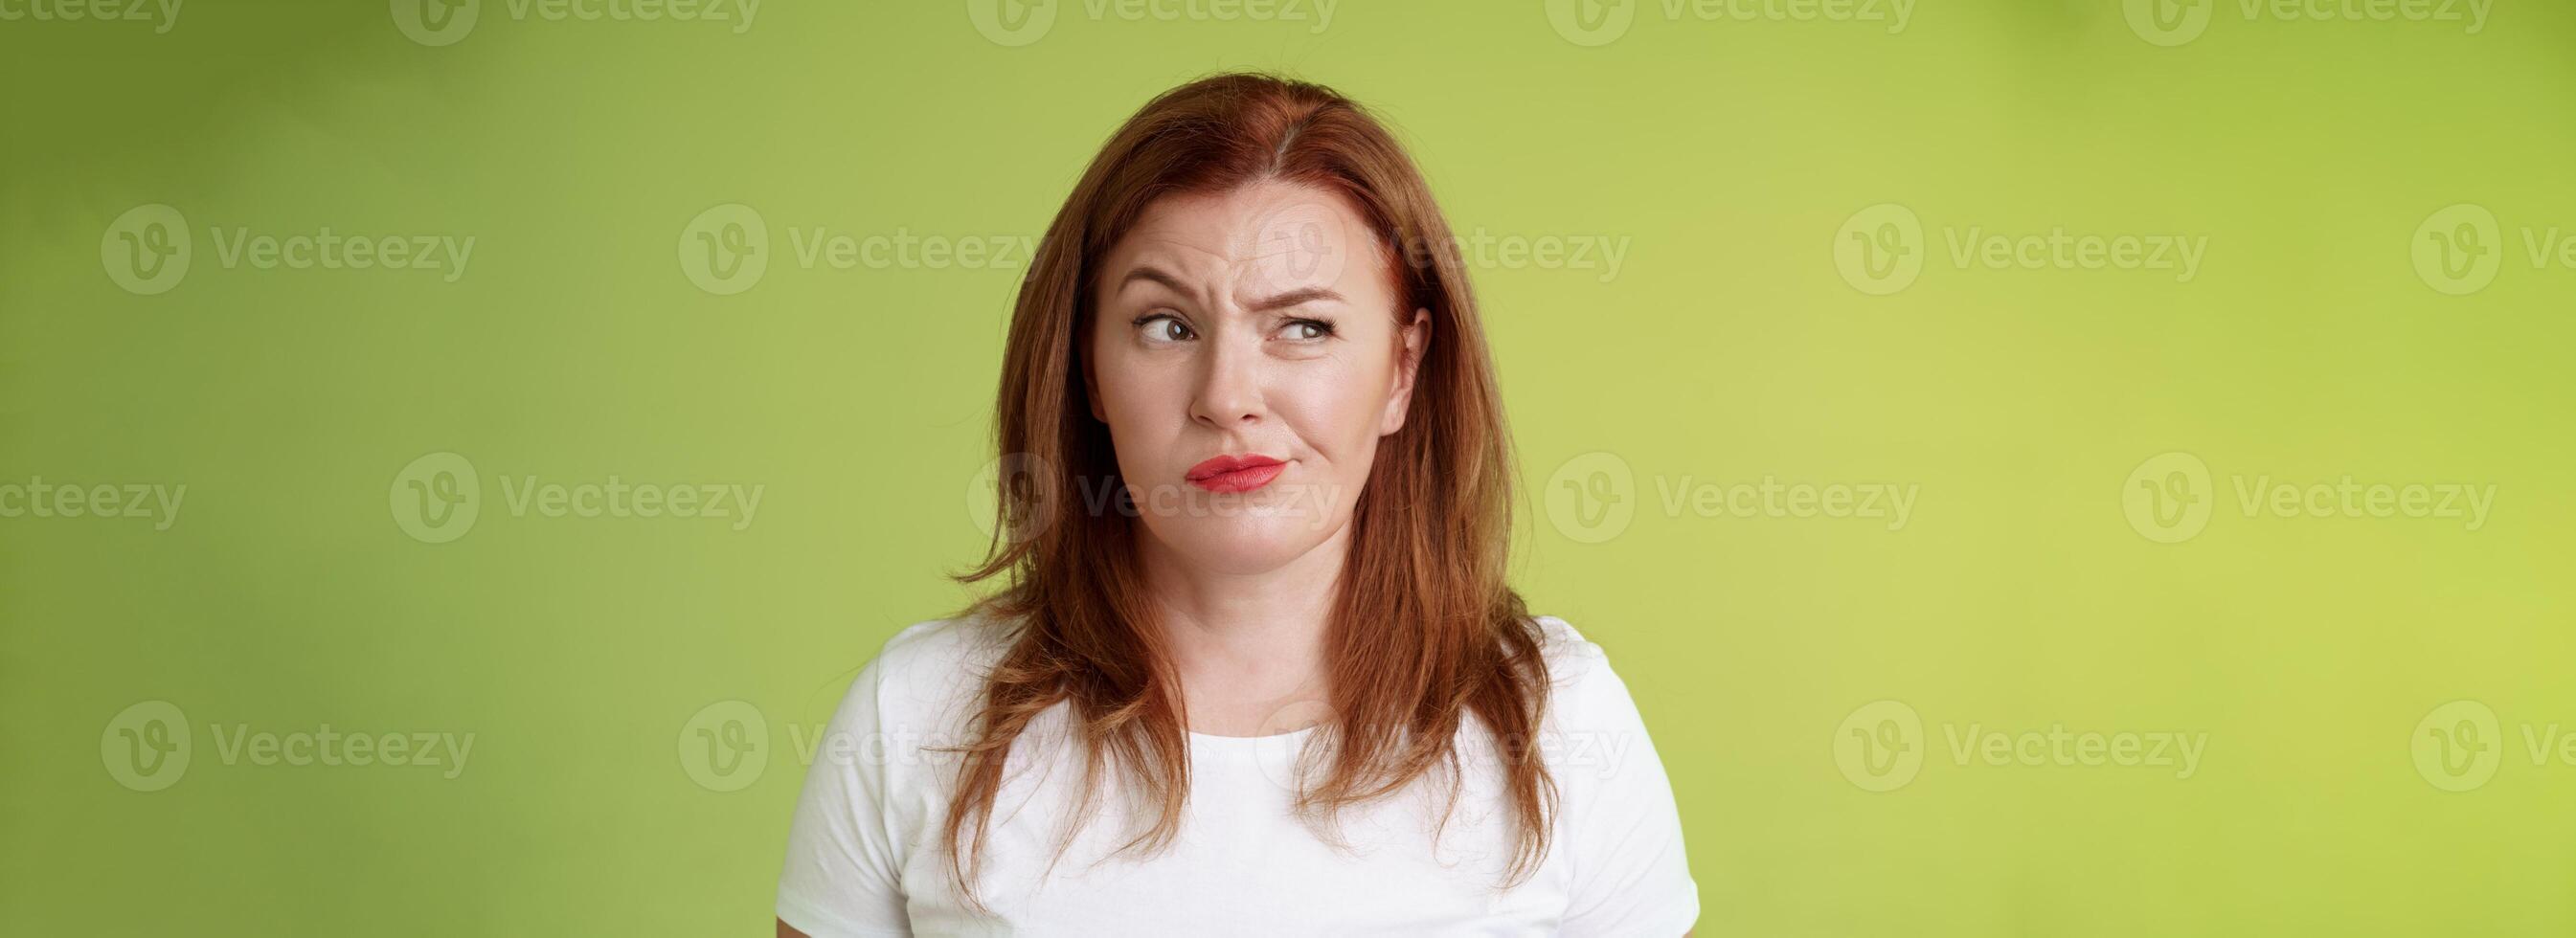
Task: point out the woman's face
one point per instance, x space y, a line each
1247 353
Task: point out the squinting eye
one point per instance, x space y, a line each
1163 327
1307 330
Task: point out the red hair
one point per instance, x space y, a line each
1425 632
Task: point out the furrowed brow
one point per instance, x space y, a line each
1152 274
1294 298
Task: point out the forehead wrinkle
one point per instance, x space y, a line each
1202 239
1172 255
1371 269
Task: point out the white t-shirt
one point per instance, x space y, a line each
866 857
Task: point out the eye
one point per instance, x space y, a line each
1162 328
1306 330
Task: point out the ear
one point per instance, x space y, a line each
1416 338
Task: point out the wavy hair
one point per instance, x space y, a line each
1425 633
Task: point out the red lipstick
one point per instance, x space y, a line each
1235 473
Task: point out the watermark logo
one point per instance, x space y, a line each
725 249
149 747
1279 744
436 22
1879 747
2168 22
728 746
1592 497
2175 22
444 22
2458 745
1879 249
1599 22
2171 497
147 249
1016 23
1012 23
437 498
1591 23
1019 478
1299 245
2168 497
725 746
2458 249
146 746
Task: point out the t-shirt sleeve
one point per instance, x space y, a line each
1631 876
843 870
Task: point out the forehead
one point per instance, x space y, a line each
1270 232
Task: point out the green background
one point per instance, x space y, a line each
1725 153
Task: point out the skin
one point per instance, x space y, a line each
1206 343
1260 320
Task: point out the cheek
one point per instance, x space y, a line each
1113 376
1145 406
1335 407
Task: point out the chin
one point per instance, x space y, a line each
1248 542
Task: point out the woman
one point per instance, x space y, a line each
1256 668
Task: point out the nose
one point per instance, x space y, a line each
1229 388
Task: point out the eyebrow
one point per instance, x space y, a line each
1294 298
1152 274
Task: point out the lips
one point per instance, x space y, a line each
1235 473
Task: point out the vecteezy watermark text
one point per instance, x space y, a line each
727 249
438 498
2175 22
149 747
446 22
162 14
1013 23
726 746
1601 22
1881 746
148 250
2170 497
1591 498
37 498
1881 249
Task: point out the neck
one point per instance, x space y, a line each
1245 641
